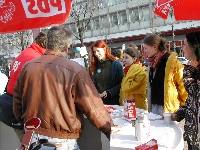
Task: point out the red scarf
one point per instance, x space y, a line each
126 69
153 61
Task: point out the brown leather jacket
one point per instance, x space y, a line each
59 91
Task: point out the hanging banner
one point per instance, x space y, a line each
191 10
19 15
182 9
162 7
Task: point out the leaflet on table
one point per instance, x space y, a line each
150 145
128 113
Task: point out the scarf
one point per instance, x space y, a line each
153 61
126 69
138 62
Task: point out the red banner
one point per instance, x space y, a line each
162 7
19 15
187 10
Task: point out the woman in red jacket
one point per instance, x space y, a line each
35 50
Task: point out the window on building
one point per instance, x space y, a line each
102 3
104 21
87 25
78 8
78 1
96 24
73 28
122 17
121 1
144 13
112 2
113 19
134 15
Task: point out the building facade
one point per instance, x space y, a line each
120 22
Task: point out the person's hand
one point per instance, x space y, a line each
104 94
174 117
193 63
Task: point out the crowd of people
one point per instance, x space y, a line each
44 84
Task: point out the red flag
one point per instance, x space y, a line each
161 7
187 10
19 15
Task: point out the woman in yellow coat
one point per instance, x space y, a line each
166 91
134 83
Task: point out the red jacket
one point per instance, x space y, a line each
33 51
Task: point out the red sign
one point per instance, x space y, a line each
18 15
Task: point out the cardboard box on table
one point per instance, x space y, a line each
129 109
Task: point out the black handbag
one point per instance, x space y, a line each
6 112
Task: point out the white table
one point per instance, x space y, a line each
168 137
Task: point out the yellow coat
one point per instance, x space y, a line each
175 94
134 85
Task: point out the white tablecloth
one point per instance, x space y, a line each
168 137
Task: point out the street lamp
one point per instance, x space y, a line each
173 35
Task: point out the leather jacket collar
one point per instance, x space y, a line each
51 52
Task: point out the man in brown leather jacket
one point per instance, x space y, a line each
59 91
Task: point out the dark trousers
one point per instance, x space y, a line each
191 147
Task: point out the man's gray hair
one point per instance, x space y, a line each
58 38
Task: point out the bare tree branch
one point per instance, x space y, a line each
19 40
81 15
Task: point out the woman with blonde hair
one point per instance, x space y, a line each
106 72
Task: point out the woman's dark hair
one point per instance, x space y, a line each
93 58
193 39
117 53
154 39
41 39
132 52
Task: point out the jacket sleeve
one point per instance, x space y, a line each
181 112
135 80
88 101
17 101
115 90
183 95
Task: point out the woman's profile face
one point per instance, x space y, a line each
188 52
99 53
128 60
150 50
